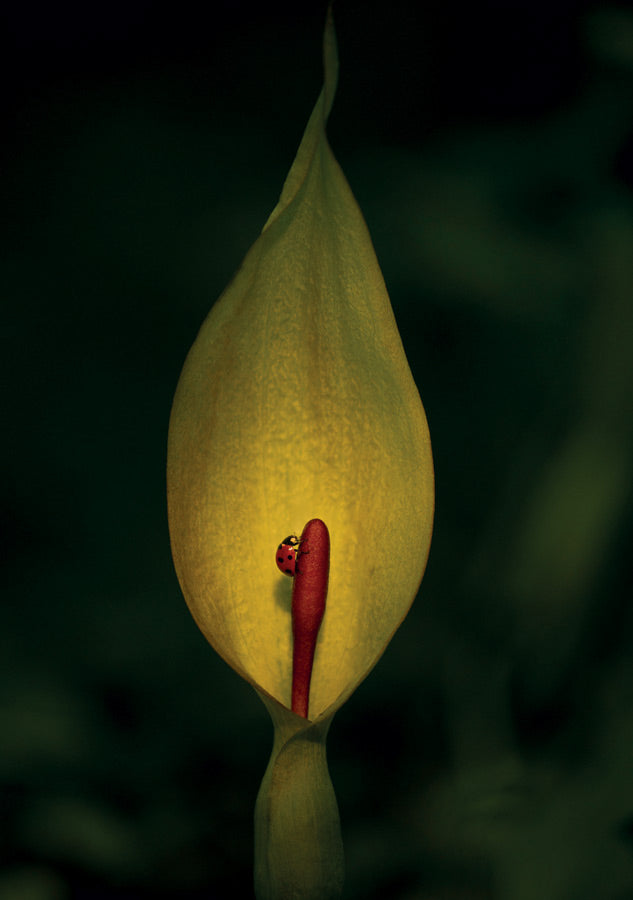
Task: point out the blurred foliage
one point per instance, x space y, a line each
492 154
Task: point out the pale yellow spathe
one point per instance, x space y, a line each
296 401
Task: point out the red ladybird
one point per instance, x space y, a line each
286 555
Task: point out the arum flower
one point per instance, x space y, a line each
296 405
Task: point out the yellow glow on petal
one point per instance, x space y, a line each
296 402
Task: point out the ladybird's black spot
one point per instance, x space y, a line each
288 571
280 559
289 556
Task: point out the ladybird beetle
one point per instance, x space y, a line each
286 555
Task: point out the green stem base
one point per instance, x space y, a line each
298 846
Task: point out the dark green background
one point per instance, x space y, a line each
489 145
